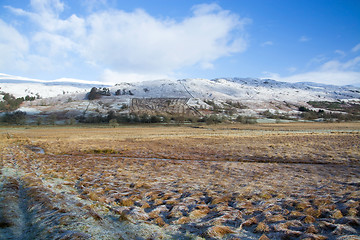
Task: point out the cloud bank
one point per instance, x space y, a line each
333 72
119 42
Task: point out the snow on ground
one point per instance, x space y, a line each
256 94
21 87
42 90
29 110
220 89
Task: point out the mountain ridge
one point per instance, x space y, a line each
202 96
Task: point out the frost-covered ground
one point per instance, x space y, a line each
271 181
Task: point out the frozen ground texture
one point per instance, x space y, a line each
280 183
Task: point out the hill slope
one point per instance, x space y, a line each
21 86
248 96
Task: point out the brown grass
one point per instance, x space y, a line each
309 219
230 179
284 143
264 237
219 231
198 213
262 227
275 218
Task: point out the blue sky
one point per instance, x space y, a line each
114 40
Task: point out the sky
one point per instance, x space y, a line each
114 40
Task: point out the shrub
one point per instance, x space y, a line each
39 121
93 94
71 121
246 119
213 119
303 109
155 119
29 98
236 104
145 118
17 117
215 107
10 103
52 119
276 115
113 122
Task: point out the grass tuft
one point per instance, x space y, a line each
262 227
250 222
264 237
182 220
218 231
309 219
337 214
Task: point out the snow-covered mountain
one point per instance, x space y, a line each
215 89
246 89
22 86
256 94
220 88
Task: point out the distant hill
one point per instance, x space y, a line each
197 97
21 86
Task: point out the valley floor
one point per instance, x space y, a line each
264 181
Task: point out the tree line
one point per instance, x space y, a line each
10 103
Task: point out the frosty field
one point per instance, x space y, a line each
263 181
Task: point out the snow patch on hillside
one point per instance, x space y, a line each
21 86
69 95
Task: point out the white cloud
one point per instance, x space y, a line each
356 48
139 42
316 60
92 5
112 77
335 65
134 41
267 43
304 39
204 9
47 6
271 75
207 65
45 14
341 53
292 69
13 47
329 77
52 44
332 72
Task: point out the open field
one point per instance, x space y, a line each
263 181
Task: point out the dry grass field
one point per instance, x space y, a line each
263 181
